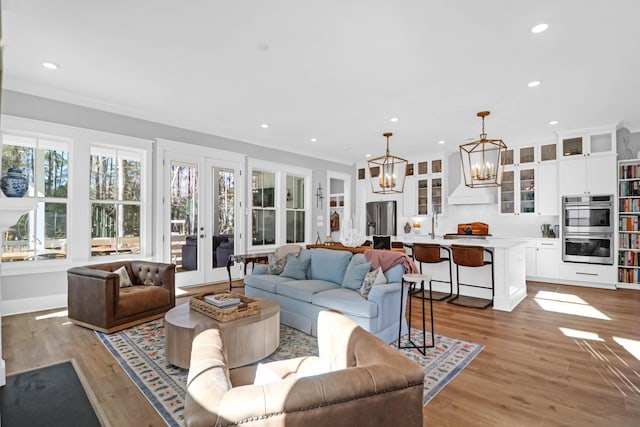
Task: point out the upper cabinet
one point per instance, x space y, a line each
588 162
529 184
426 196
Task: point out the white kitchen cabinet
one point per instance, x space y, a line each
409 198
588 175
518 189
596 274
548 258
530 257
588 162
430 188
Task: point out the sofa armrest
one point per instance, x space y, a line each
208 380
91 295
387 297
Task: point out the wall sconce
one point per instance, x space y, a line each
319 196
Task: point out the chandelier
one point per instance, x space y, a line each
387 172
483 160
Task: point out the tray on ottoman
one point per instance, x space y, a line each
247 307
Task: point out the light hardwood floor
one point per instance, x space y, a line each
558 359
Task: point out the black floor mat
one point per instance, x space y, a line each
49 396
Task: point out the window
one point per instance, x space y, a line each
295 209
263 212
115 195
280 204
42 233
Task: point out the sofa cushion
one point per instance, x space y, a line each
329 265
266 282
303 290
137 299
355 274
394 274
346 301
296 267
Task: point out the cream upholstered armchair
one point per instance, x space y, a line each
357 380
98 299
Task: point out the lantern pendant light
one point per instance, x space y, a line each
483 160
387 172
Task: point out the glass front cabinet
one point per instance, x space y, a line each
430 186
525 169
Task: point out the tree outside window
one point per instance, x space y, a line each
40 234
114 191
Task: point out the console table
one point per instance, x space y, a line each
246 259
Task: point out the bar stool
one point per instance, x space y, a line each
471 256
414 279
431 253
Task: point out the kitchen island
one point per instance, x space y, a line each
509 267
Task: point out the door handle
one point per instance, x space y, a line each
587 274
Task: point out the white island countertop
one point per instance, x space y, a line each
489 242
508 267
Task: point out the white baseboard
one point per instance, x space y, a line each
29 305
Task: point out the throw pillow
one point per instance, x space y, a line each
296 267
375 277
276 264
125 280
355 275
264 375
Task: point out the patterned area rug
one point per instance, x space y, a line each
140 352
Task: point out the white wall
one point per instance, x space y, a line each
43 289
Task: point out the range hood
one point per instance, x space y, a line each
463 195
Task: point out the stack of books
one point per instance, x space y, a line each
222 300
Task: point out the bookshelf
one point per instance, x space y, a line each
629 224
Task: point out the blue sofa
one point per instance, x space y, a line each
320 288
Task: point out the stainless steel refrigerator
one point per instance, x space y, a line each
381 218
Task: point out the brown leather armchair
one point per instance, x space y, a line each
357 380
96 300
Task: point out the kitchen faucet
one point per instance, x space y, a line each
434 219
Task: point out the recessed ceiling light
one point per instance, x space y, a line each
534 83
441 142
367 155
553 122
314 139
50 65
539 28
394 119
264 125
348 149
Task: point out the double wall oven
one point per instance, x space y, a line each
587 229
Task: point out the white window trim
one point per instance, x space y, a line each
78 230
281 171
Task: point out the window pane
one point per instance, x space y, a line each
130 242
295 226
21 157
103 229
103 182
263 188
55 231
295 192
226 199
132 177
56 173
264 227
18 241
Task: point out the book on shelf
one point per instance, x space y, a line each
627 275
629 171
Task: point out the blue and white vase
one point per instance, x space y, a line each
14 183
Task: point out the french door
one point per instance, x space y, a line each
202 222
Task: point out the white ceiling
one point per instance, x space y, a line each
335 70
